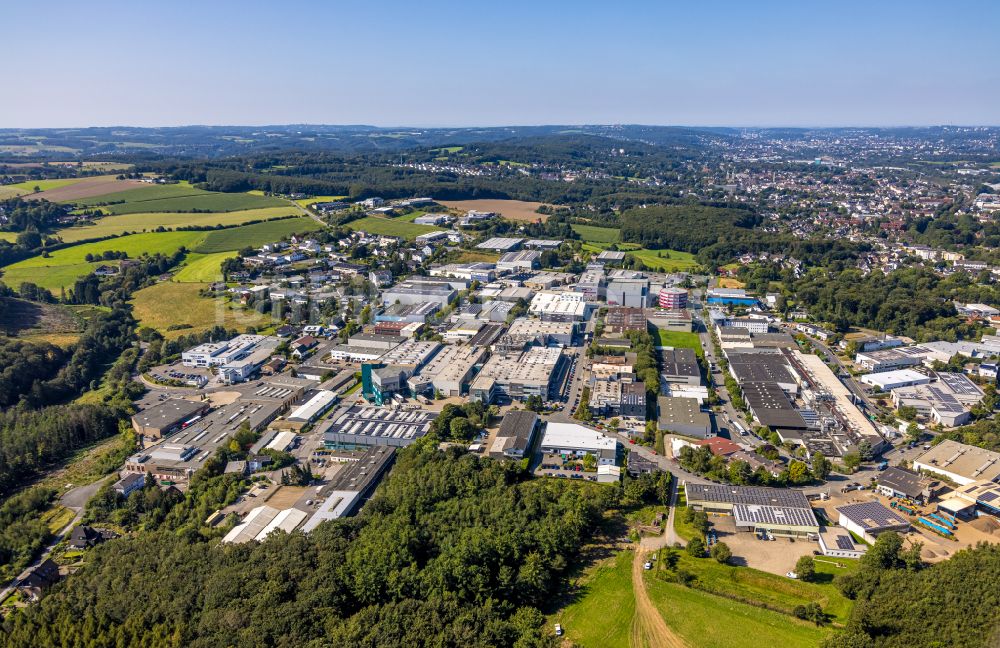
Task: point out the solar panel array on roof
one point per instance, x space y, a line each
944 401
844 542
872 515
774 515
959 384
746 495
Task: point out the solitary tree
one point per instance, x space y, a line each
696 547
805 568
721 552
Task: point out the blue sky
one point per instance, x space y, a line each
428 63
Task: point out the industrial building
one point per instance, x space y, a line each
771 407
311 410
572 441
164 418
672 298
836 542
627 288
520 261
591 284
352 486
360 426
262 521
516 435
778 511
449 372
501 244
543 332
517 375
236 359
679 366
960 463
889 359
415 312
730 297
763 368
559 306
888 380
619 319
413 292
947 401
871 519
683 416
898 482
671 320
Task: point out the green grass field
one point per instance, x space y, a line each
391 227
159 307
680 340
180 197
305 202
143 194
28 187
114 225
63 267
202 268
214 202
776 592
254 235
594 234
601 615
666 260
709 621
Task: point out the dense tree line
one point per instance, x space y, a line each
902 603
985 434
117 289
22 364
22 533
718 233
37 215
31 440
453 550
915 302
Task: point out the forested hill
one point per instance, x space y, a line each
453 550
223 141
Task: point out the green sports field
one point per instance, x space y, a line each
115 225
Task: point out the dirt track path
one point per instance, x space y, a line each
648 626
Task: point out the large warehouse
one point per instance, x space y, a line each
960 463
781 512
163 418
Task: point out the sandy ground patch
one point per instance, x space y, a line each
518 210
220 398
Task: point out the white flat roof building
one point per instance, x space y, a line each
888 380
559 306
572 438
315 406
